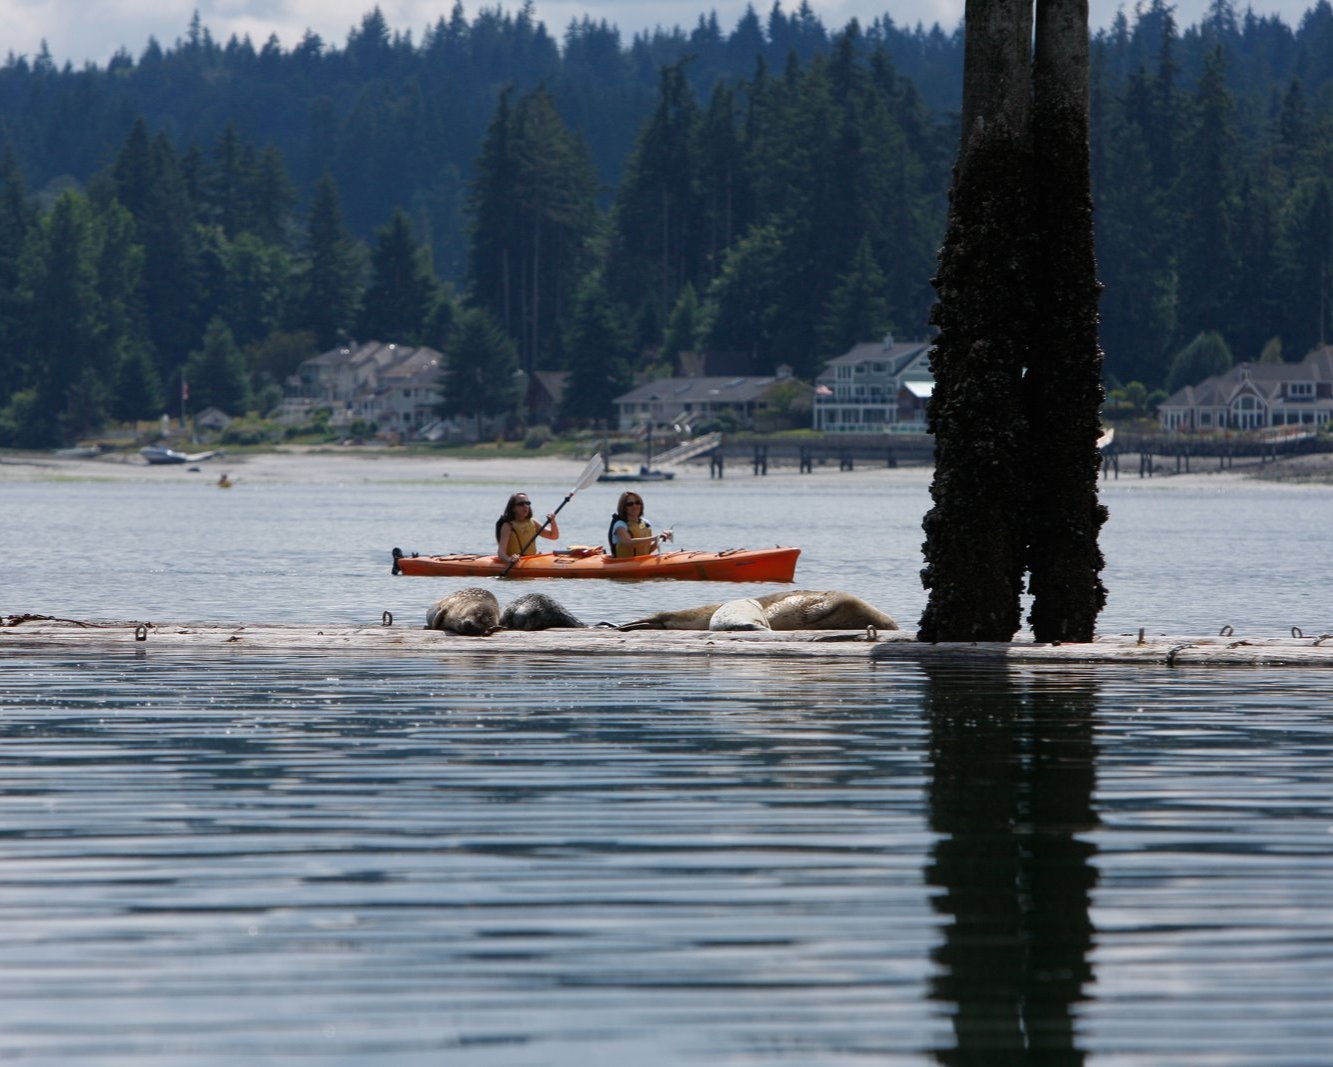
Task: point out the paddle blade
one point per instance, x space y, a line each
590 472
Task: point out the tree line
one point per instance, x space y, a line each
222 212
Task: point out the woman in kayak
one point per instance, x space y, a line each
516 529
630 534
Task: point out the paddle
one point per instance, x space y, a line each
589 475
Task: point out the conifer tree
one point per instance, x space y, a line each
402 290
725 200
657 247
858 309
1134 252
534 212
596 345
493 268
479 378
217 372
331 277
257 281
1207 207
682 332
739 307
1306 241
1205 356
18 218
136 392
64 342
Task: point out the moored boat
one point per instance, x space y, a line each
159 455
777 564
643 474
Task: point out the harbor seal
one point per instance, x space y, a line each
683 619
795 609
805 609
537 611
745 614
473 612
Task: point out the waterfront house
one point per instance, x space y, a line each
395 386
1254 396
876 386
692 402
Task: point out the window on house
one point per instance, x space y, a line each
1300 390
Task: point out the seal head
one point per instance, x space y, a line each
473 612
745 614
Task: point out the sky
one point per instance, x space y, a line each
82 31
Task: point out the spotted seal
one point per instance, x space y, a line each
745 614
473 612
796 609
537 611
805 609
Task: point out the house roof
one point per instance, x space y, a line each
1263 379
382 354
396 366
699 390
898 355
551 383
412 365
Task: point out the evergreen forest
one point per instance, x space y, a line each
216 212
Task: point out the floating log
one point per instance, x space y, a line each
40 633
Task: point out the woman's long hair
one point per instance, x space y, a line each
508 515
625 498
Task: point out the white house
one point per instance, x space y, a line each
395 386
875 386
1253 396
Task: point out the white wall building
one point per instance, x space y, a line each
877 386
1255 396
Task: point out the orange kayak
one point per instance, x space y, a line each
731 565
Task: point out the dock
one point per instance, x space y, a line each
44 634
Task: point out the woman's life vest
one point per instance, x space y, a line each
522 532
636 529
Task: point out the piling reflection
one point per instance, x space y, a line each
1013 771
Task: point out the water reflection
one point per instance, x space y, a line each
1011 798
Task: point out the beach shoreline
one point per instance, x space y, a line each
333 464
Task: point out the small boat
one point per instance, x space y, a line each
160 454
775 564
646 472
643 474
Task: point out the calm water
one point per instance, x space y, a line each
345 860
